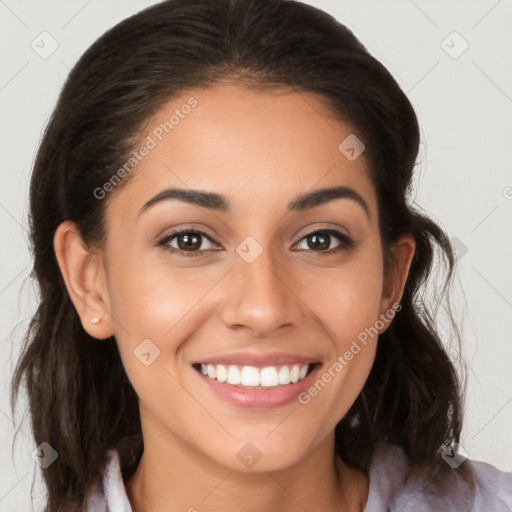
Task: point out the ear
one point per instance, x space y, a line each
83 272
395 277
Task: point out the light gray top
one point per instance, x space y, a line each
392 488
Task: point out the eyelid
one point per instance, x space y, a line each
202 230
337 231
163 240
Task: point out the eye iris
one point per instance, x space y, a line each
315 237
187 238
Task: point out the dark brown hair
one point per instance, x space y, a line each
81 401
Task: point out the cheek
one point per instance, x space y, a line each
347 302
153 301
346 298
149 297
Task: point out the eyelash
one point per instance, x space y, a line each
346 242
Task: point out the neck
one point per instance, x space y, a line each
172 476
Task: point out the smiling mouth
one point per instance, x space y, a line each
251 377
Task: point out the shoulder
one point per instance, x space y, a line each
394 487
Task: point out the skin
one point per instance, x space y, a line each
261 151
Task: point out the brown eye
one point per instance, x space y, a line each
320 241
189 241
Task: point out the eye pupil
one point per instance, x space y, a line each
316 237
187 239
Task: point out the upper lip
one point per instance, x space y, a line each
259 360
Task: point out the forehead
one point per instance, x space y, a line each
254 147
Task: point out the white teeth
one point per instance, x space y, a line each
233 375
294 374
211 371
269 377
284 375
222 373
250 376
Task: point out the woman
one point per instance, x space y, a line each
231 277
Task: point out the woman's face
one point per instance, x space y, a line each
256 297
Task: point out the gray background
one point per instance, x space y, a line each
464 104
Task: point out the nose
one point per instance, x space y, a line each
260 297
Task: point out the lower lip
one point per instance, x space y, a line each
259 398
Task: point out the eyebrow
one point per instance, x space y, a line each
217 202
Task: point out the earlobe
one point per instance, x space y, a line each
84 276
394 280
